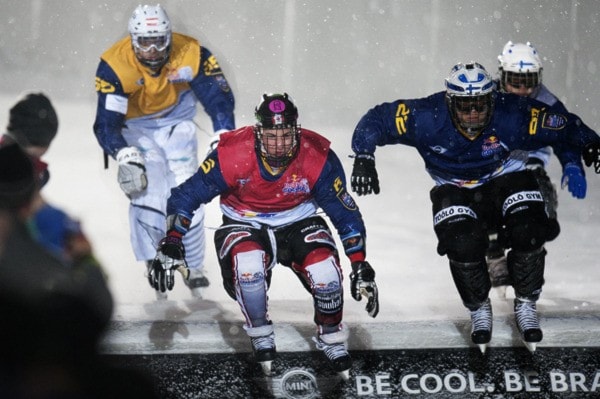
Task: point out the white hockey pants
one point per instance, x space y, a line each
171 156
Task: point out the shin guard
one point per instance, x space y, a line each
472 282
527 272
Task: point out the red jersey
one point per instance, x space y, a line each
253 194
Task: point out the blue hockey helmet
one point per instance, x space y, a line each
470 98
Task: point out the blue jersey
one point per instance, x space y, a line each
314 179
517 123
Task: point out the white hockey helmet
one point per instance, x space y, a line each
520 65
470 97
150 28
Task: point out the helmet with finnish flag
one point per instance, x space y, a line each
470 98
151 35
520 65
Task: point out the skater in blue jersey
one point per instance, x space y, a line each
520 72
468 136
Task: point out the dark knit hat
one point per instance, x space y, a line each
17 182
33 121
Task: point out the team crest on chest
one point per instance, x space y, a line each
296 185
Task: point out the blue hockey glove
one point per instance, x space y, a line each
591 155
574 178
364 178
170 256
362 283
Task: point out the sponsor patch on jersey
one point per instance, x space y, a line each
554 121
491 146
296 185
180 75
438 149
222 82
347 200
321 236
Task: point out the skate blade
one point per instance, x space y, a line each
161 296
345 374
531 346
482 348
196 292
266 367
501 291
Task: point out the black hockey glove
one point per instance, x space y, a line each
362 283
170 256
364 178
591 155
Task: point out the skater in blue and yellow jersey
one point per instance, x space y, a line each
520 72
468 136
272 178
148 86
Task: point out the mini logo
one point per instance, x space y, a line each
299 384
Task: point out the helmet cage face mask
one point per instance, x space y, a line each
277 132
529 80
520 66
470 98
150 29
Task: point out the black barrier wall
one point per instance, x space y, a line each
430 373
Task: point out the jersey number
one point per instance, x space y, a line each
207 165
533 123
103 86
401 117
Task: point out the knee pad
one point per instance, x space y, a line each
527 235
463 241
251 286
328 294
527 223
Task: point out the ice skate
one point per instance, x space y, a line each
528 323
196 281
264 351
481 325
334 347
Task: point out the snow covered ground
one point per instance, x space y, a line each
419 304
336 61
